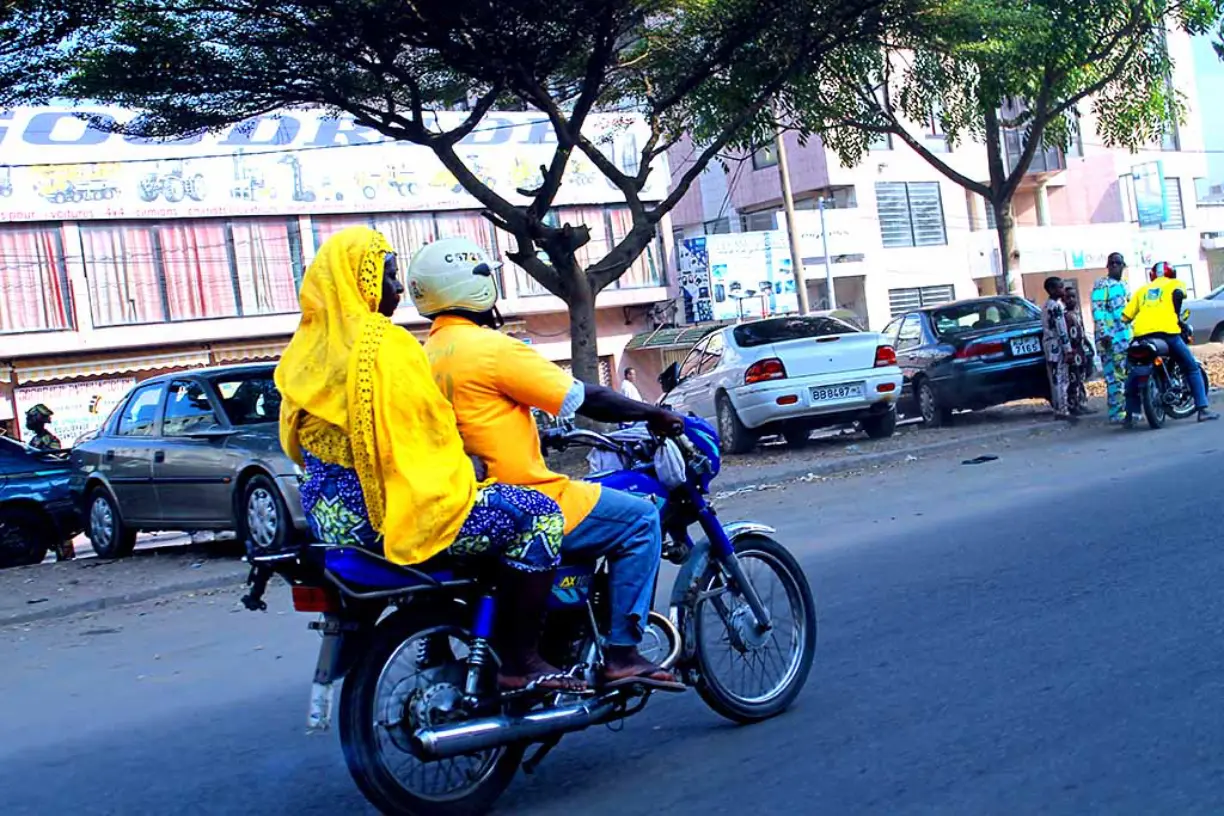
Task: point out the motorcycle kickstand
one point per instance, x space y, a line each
533 762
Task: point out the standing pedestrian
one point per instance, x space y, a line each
37 420
1080 368
1056 343
629 385
1113 334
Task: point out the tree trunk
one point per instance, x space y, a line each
584 355
1005 227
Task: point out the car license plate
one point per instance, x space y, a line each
1024 346
830 393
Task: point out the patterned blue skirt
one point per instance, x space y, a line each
521 526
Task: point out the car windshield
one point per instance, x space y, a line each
1215 293
781 329
249 399
957 318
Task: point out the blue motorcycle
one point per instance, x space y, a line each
424 727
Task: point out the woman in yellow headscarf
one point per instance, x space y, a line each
385 467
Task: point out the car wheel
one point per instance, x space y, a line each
22 538
933 413
108 534
881 426
263 523
736 438
797 438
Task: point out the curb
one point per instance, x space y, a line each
845 464
126 599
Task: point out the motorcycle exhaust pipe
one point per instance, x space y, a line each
492 732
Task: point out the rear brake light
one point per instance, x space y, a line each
314 599
885 356
988 349
770 368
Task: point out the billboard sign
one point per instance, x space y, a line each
1151 205
56 166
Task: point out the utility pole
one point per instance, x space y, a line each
824 244
788 205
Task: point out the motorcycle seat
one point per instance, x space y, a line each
1159 344
363 571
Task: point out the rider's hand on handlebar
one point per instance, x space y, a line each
482 470
666 423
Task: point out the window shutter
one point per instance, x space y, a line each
892 207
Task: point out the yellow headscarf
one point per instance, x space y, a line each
357 391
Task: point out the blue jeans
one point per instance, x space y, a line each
625 530
1189 366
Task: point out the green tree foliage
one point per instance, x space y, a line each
32 43
706 67
982 68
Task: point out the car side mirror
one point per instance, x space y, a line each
670 377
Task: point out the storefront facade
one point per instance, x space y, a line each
120 259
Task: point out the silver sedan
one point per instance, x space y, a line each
788 376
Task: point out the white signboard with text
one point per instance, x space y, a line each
78 407
54 166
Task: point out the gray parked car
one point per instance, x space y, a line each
197 450
1207 316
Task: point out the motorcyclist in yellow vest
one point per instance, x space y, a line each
1153 311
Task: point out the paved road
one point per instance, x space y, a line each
1042 633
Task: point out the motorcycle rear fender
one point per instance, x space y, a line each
685 588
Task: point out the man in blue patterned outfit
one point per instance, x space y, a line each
1113 335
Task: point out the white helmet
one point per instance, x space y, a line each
452 274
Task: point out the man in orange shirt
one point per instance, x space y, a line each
493 381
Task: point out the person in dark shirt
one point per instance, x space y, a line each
37 420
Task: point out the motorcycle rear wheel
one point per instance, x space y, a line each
1153 405
367 720
732 623
1183 406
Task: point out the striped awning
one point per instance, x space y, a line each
249 352
75 368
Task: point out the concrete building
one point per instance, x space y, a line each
121 258
907 235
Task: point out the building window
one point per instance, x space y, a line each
719 226
191 270
608 226
987 208
765 157
759 221
1075 148
901 301
934 136
1170 140
910 214
1173 198
34 291
881 141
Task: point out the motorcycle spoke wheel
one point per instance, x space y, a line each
407 696
754 668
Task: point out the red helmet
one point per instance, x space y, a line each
1162 268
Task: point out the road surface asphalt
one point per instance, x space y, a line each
1036 634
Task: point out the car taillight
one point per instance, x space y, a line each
314 599
770 368
885 356
987 349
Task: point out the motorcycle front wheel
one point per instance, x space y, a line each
744 674
410 676
1153 404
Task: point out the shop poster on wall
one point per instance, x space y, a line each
79 408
